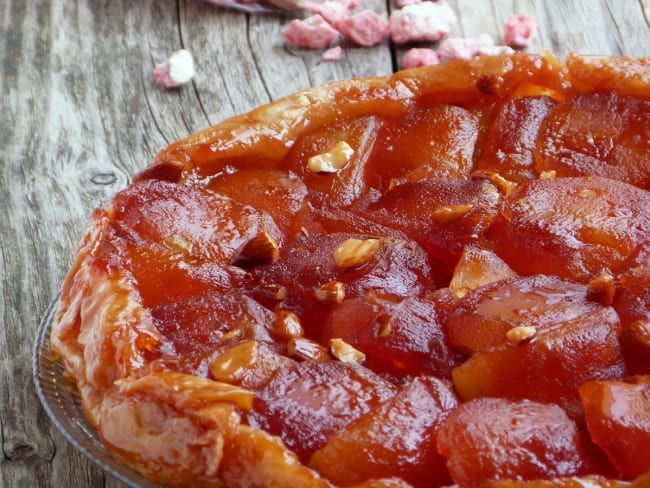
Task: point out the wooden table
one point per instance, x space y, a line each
80 113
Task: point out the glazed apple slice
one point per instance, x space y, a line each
632 301
398 337
440 138
618 418
397 438
278 193
304 404
164 276
201 323
576 228
495 438
512 138
442 215
485 316
201 223
331 159
597 134
321 270
550 366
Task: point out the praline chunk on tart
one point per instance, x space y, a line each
431 278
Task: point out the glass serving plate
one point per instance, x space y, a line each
62 402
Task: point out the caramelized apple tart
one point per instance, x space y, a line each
439 277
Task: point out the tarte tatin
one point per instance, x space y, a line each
439 277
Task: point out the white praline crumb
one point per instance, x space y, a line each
177 70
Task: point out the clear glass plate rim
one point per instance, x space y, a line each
51 387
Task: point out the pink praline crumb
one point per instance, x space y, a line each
161 75
333 10
313 32
471 47
519 30
416 57
332 54
366 28
424 21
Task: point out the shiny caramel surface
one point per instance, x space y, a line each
438 277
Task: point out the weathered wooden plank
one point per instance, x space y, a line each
286 69
27 73
630 22
567 28
70 139
228 81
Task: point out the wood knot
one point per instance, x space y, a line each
103 178
18 451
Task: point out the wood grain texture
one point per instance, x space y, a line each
80 114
